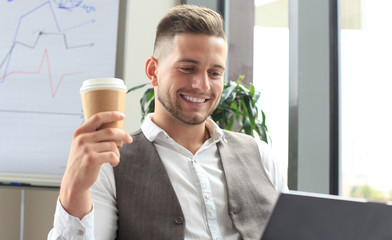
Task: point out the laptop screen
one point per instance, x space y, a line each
303 216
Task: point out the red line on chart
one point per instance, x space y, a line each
53 89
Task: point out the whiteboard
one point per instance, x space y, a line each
47 48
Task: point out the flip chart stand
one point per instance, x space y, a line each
22 213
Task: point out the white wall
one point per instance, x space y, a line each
142 18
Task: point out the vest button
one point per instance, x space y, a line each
235 211
179 220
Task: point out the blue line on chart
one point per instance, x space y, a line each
19 23
80 25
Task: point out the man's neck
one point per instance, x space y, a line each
191 137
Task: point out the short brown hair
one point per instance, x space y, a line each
189 19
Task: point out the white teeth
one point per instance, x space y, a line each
195 100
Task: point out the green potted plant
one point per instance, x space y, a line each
236 111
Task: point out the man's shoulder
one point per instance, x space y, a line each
237 136
139 141
136 132
238 140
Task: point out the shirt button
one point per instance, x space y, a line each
79 232
179 220
207 196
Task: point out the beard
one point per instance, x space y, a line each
176 111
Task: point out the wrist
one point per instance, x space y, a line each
76 203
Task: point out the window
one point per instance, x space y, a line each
366 86
271 71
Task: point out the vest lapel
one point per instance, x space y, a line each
251 196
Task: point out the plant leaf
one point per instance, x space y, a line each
240 79
252 91
137 87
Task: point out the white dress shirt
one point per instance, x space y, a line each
198 181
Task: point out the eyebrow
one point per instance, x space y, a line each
189 60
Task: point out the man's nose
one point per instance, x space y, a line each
201 81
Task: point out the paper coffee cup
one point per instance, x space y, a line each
102 95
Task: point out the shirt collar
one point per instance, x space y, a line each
152 131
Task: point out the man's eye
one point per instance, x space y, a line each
186 69
215 74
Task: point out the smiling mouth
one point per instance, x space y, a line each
195 99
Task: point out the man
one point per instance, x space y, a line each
182 177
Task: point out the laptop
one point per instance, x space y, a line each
305 216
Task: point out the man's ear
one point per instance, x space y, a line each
151 70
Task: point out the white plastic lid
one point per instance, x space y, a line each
103 84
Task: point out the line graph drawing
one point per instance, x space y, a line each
47 49
7 59
16 43
79 25
53 89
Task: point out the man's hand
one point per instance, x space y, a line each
89 150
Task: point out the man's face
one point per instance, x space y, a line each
190 77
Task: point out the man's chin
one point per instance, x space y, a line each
193 120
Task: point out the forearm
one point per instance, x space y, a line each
76 203
100 222
66 226
90 149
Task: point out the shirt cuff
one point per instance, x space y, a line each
70 227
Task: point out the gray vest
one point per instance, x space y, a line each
148 206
